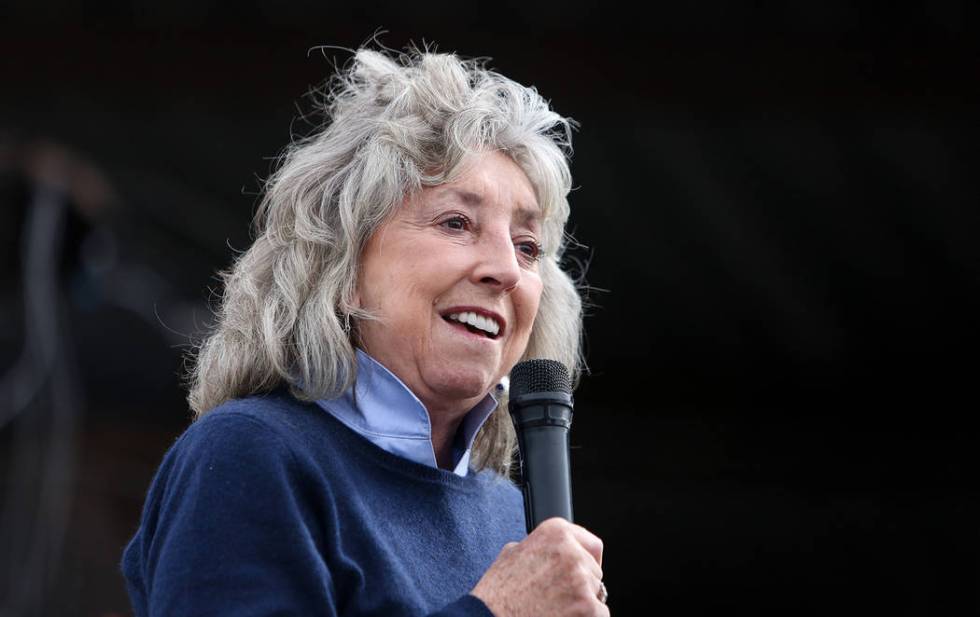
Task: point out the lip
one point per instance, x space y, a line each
479 311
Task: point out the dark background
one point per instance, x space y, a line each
780 205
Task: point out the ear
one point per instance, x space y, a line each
351 297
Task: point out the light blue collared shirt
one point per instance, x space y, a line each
384 411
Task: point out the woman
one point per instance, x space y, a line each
353 443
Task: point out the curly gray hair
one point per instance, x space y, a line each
393 126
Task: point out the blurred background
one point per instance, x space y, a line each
780 209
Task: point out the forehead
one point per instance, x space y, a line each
492 179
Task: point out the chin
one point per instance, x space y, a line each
461 384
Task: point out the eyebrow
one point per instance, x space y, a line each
527 215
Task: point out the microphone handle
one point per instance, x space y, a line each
546 473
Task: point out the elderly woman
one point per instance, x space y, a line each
353 444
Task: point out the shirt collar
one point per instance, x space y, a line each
383 410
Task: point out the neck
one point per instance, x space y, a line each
443 435
445 415
445 420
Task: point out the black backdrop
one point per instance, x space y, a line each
780 210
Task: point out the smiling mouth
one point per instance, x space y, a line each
477 324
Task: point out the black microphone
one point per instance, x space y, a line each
541 408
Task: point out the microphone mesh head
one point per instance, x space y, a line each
539 375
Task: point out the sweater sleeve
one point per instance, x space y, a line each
467 606
226 531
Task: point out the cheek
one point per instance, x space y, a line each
527 309
404 295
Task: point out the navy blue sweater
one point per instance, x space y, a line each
269 506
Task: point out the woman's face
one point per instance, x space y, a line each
453 278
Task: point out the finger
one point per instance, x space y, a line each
601 592
507 551
589 541
589 565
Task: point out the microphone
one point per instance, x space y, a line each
541 409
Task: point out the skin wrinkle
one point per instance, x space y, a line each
530 217
415 267
333 190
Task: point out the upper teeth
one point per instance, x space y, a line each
477 321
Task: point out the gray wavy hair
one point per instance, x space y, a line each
392 126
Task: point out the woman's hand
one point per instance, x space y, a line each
555 571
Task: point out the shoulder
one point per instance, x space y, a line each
240 443
274 421
239 451
278 411
233 499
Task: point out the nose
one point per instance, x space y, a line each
497 262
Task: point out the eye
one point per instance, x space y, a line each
456 222
530 249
